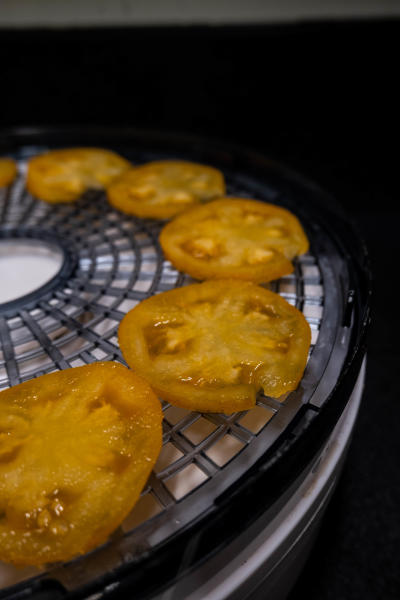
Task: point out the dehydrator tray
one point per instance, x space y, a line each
108 262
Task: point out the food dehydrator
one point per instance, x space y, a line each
234 501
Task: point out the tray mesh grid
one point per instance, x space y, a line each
120 263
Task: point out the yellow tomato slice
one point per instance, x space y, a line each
212 346
76 449
165 188
234 238
8 171
64 175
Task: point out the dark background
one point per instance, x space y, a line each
320 97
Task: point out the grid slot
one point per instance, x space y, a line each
256 419
313 313
142 285
185 481
31 366
199 431
14 323
77 362
313 291
126 305
105 325
27 348
99 354
224 450
20 335
106 301
314 336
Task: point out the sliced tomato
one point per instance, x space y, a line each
76 449
162 189
234 238
212 346
64 175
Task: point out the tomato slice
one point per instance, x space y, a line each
8 171
64 175
212 346
234 238
76 449
162 189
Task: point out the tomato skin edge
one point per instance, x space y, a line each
228 400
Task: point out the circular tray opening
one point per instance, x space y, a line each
26 265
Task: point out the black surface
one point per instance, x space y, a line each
322 98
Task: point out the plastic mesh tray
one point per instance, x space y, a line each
111 262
